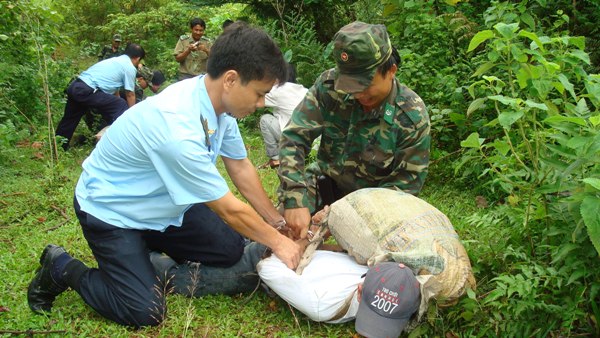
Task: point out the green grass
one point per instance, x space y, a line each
36 209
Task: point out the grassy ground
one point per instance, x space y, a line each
36 209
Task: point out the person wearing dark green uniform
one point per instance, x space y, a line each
112 50
192 51
374 130
146 78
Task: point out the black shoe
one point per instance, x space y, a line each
43 289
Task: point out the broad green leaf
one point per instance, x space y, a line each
551 67
542 87
582 107
595 120
3 37
554 163
528 20
581 55
493 55
523 75
552 108
467 315
590 212
578 142
492 78
484 68
568 85
518 54
563 151
471 294
473 141
506 119
578 41
509 101
501 146
480 38
475 105
533 37
577 274
593 90
506 30
287 56
534 104
594 182
457 118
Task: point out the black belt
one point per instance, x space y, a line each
80 80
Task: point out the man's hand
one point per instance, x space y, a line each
288 251
298 220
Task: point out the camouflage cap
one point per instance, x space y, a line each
117 37
145 73
358 49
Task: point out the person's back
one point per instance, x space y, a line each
282 99
95 87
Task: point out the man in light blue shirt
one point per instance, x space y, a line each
151 183
97 88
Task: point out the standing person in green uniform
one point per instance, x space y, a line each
374 130
192 51
112 50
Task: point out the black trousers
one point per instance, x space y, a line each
125 288
81 98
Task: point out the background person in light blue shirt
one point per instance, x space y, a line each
151 184
97 89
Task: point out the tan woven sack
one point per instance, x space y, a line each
377 224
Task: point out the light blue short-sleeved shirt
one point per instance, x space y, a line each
111 74
154 162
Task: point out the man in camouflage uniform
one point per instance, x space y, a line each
146 78
192 51
375 131
111 50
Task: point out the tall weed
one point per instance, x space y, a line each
540 152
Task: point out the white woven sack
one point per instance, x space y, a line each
377 224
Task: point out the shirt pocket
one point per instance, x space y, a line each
376 160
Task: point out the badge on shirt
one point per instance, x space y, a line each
388 114
207 132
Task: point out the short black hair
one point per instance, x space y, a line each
158 78
249 51
133 50
394 59
226 23
197 21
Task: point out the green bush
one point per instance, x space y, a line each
540 152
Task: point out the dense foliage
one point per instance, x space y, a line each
513 92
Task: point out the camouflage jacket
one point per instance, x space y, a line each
195 62
387 147
107 53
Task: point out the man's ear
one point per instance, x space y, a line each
229 78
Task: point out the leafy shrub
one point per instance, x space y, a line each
540 152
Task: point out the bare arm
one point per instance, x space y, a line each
243 219
130 97
244 176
